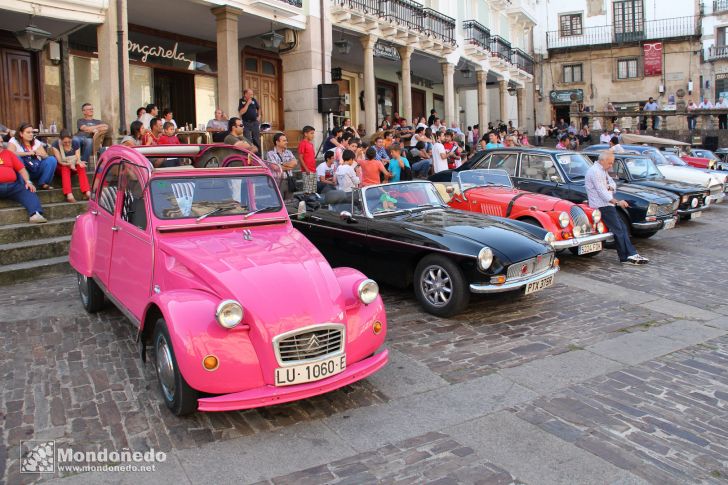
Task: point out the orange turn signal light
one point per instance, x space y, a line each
498 280
556 262
210 363
377 327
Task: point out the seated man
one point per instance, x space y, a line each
87 128
236 138
15 185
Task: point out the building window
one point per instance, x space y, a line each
627 68
570 24
573 73
628 20
720 36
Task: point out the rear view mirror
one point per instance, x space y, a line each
555 179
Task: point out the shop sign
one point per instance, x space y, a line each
158 51
653 58
564 96
386 51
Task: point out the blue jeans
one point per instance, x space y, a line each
16 191
621 234
87 145
41 171
421 168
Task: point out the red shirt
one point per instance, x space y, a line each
168 140
305 149
370 170
10 165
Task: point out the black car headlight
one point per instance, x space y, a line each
485 258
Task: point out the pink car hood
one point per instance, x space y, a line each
278 276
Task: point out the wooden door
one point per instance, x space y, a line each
261 73
176 91
418 105
18 94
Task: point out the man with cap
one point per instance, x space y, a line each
600 189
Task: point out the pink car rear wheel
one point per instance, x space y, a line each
92 297
179 397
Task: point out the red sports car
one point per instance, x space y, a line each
576 227
701 158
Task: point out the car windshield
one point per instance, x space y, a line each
381 199
642 168
704 154
478 178
673 159
575 165
201 197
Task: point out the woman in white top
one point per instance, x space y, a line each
439 154
31 152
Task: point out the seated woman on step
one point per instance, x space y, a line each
68 153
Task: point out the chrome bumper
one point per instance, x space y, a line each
578 241
691 211
648 225
717 198
513 285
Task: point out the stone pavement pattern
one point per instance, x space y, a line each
616 375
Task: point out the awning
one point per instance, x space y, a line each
632 139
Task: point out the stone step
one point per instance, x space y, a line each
23 251
27 231
62 210
38 268
46 197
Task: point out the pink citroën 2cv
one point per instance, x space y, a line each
240 310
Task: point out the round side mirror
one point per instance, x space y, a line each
555 179
345 216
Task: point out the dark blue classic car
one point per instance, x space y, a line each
561 174
403 234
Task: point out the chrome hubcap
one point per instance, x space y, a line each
83 288
165 368
436 285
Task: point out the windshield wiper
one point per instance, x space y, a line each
217 210
262 209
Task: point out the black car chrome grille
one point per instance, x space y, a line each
579 216
529 267
665 209
313 343
689 204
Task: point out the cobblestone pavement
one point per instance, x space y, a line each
617 374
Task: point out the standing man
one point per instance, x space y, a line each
283 157
87 128
250 112
651 105
600 189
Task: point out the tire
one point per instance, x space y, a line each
179 397
434 270
92 297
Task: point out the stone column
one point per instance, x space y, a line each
406 54
503 91
448 75
370 92
109 86
521 102
228 59
482 77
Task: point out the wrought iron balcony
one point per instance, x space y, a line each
439 25
476 34
626 33
717 52
501 48
403 12
295 3
523 61
720 6
369 7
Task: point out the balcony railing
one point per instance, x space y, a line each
439 25
523 61
720 6
476 34
403 12
717 52
621 33
370 7
295 3
500 47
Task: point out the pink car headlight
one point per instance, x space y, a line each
229 313
368 291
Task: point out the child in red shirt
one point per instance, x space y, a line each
307 159
168 138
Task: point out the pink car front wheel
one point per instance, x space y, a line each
179 397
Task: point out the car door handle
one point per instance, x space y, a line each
115 228
315 218
94 213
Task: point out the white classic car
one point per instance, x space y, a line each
673 168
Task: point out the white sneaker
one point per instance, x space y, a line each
38 218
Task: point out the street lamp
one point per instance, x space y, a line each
272 40
467 73
343 46
32 38
512 90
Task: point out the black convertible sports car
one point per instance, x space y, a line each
561 174
403 233
642 170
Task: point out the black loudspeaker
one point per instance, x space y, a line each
711 143
328 98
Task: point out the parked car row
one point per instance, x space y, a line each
247 301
